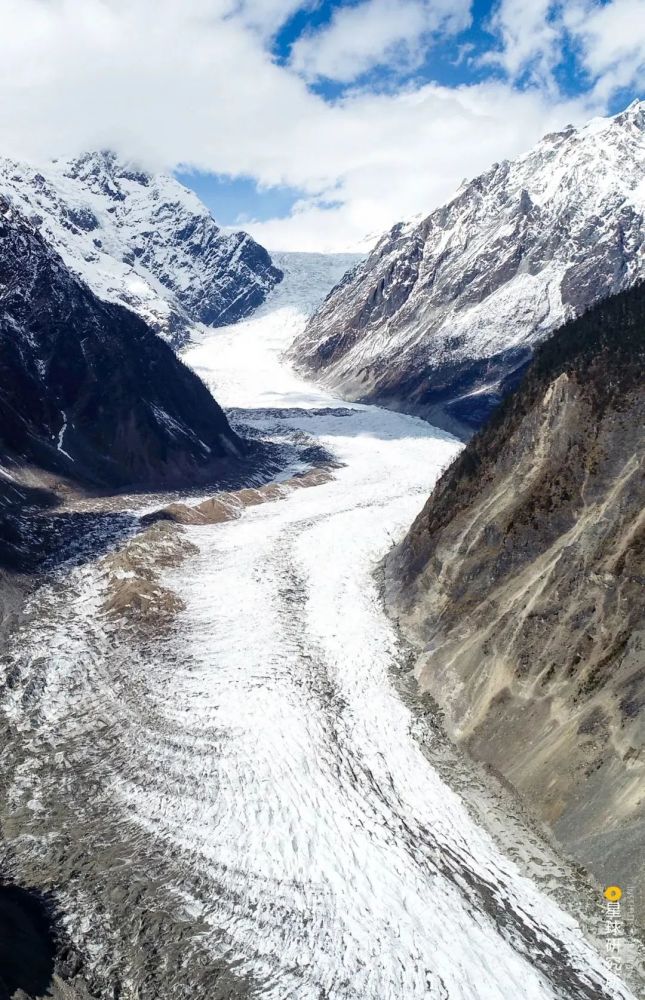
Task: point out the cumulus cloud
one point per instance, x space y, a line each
611 42
606 38
376 33
196 84
267 16
531 38
407 153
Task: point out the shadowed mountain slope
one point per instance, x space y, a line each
142 240
87 390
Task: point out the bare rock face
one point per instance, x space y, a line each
442 317
142 240
87 390
521 586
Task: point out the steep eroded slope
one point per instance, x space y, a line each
521 586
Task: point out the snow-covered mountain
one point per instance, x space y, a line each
87 390
142 240
443 314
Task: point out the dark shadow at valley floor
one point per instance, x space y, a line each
27 943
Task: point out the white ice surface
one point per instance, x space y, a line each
317 812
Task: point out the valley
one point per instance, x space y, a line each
241 804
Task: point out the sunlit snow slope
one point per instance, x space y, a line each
443 315
260 766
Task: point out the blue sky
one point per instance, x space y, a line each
234 201
454 59
314 124
441 59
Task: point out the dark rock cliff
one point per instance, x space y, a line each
142 240
87 390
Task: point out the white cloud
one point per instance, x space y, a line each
162 80
376 33
611 41
407 154
531 38
267 16
608 39
195 84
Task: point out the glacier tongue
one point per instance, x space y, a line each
255 774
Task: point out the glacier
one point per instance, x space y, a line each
250 791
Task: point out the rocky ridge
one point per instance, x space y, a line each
142 240
442 317
520 587
87 391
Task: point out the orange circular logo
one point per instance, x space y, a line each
613 893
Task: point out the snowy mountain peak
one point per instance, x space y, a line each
86 388
633 112
104 163
442 316
143 240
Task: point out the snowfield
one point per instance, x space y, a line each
259 766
